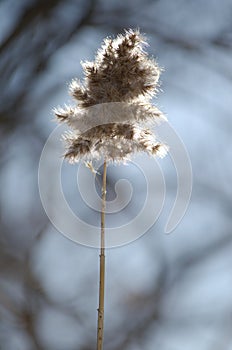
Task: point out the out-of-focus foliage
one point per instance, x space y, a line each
167 292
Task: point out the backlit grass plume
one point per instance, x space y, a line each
114 103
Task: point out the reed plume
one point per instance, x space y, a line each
113 114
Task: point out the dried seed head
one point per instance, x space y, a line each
113 103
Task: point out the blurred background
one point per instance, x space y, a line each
166 292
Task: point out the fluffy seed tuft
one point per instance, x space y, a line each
113 103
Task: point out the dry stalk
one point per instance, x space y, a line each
100 327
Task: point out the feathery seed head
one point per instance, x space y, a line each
113 103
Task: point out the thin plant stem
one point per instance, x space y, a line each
100 326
